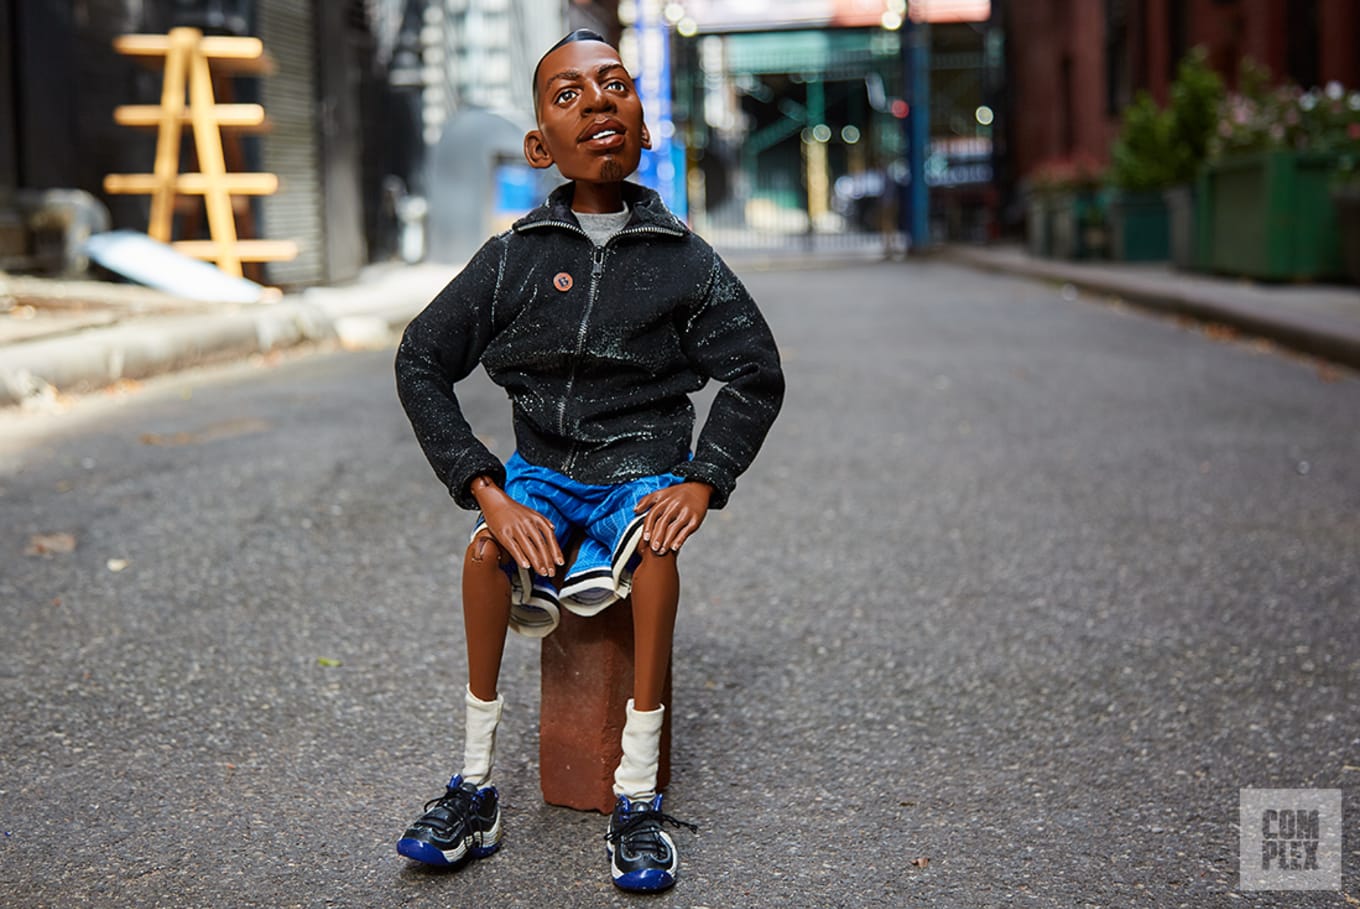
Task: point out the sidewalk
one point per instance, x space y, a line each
73 336
79 336
1321 320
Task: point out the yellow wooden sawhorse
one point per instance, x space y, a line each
186 52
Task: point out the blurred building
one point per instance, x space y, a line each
793 115
395 123
1075 64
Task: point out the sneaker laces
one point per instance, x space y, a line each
642 827
456 800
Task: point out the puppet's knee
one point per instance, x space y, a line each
484 550
653 557
657 564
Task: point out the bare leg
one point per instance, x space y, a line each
486 614
656 596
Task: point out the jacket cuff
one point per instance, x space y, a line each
461 491
712 475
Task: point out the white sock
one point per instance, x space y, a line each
636 773
479 748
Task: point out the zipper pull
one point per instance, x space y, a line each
597 258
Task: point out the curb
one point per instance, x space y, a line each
1332 338
363 314
153 345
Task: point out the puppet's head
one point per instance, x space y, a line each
589 115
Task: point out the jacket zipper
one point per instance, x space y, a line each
596 271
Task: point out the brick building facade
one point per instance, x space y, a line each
1075 64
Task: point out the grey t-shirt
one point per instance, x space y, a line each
600 227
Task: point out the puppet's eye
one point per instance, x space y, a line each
616 85
565 95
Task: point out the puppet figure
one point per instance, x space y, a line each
599 313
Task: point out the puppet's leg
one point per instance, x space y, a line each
486 613
486 617
641 855
465 823
656 596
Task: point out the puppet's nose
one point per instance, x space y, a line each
596 99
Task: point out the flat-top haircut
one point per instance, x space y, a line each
581 34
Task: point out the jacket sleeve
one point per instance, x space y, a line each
441 346
727 339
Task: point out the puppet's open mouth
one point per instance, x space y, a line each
604 134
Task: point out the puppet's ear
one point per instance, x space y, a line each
536 150
646 137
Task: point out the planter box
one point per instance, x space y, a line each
1347 202
1180 209
1140 227
1270 216
1078 225
1038 240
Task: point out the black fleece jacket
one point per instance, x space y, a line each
598 349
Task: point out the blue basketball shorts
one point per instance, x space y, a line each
602 571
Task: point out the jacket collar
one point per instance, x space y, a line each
648 211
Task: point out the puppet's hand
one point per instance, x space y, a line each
526 535
673 514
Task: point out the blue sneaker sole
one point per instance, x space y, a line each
427 854
646 880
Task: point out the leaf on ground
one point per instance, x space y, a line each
116 564
921 861
48 544
327 662
225 430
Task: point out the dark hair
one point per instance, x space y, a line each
581 34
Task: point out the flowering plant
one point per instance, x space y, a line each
1077 173
1260 117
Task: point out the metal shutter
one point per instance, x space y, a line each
291 148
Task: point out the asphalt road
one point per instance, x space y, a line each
1021 592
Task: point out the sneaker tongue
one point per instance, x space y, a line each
631 808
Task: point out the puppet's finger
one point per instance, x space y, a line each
540 550
656 508
683 534
554 551
674 521
513 546
665 517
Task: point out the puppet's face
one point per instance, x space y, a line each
589 115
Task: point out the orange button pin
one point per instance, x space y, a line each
562 281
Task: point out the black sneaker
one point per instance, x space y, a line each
463 823
642 855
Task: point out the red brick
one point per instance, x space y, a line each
587 678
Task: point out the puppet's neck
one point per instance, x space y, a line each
597 198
